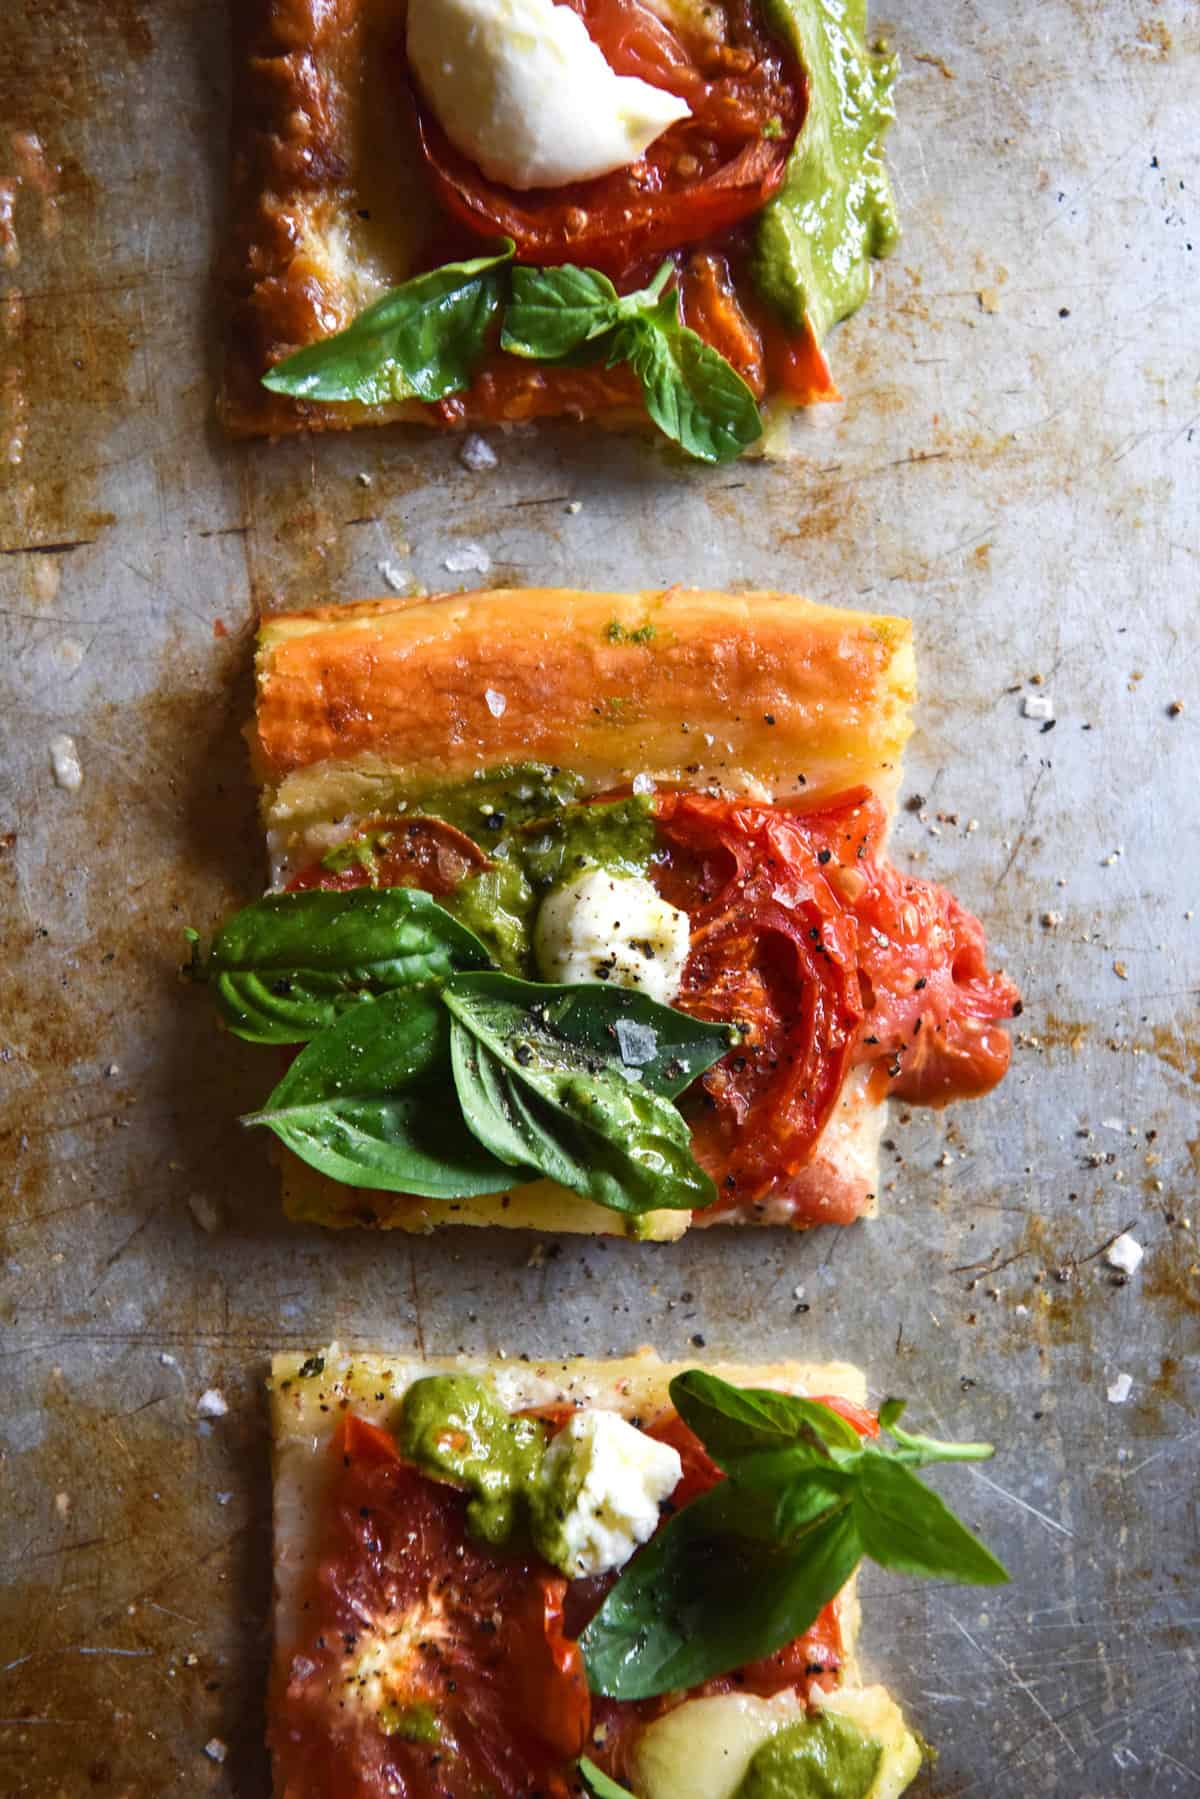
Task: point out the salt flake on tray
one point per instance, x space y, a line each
1120 1389
1124 1253
64 760
477 454
472 559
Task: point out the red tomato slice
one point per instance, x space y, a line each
700 177
400 852
933 1007
803 929
431 1667
773 950
720 303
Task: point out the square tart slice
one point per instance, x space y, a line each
412 1656
739 753
770 197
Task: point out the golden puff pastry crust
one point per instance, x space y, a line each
761 693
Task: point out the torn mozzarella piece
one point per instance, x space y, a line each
606 927
601 1484
520 88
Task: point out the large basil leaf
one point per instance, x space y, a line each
574 1081
291 964
903 1524
420 341
747 1566
371 1102
733 1422
703 1597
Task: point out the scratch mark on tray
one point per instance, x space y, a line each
994 1655
47 549
1042 1517
111 1261
1170 1448
1043 768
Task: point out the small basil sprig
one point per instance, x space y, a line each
746 1567
420 341
288 966
599 1782
693 395
577 1083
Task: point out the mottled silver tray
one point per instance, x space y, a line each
1017 466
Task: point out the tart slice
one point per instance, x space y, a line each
479 211
510 1579
582 907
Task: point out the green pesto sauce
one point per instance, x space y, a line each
820 1757
414 1723
835 210
454 1428
531 824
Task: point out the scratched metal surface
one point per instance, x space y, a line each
1017 466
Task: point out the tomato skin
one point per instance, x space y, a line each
401 852
702 176
407 1610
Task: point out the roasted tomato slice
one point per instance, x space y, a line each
721 305
747 94
430 1666
772 950
399 852
932 1006
803 931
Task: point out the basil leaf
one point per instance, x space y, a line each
920 1452
701 1599
694 396
291 964
903 1524
599 1782
737 1421
554 311
421 340
370 1102
542 1081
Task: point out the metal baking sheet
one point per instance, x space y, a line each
1017 466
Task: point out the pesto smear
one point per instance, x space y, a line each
530 821
835 211
821 1756
454 1428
